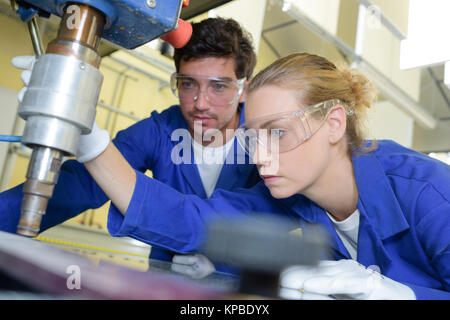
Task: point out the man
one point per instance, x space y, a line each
211 73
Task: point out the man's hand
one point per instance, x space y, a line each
194 265
25 63
342 279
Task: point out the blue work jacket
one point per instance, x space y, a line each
404 204
146 145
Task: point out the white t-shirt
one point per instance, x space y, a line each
348 232
209 162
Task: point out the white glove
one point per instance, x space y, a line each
26 63
194 265
91 145
343 278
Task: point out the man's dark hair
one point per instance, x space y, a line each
219 37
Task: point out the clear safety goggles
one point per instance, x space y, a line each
284 131
218 91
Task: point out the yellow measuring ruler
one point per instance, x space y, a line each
86 246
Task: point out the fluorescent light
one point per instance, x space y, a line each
428 26
421 53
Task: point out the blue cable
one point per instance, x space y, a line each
8 138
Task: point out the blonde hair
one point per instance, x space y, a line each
316 79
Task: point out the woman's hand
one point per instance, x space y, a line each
343 279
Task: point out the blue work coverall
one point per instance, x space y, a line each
404 204
146 145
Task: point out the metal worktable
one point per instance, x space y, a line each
34 269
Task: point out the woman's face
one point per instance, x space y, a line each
296 170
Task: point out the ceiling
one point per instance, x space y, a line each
284 35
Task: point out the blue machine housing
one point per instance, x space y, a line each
130 23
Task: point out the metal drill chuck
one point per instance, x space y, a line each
42 176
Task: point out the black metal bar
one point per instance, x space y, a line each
439 86
271 46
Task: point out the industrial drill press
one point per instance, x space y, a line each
60 102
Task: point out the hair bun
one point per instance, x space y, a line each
361 89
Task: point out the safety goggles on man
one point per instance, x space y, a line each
284 131
218 91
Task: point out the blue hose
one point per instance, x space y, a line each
8 138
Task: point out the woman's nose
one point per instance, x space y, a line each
267 159
261 154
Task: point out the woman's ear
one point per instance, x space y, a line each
337 123
243 96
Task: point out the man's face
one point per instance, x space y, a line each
202 110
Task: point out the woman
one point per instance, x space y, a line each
385 206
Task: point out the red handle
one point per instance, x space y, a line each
179 37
